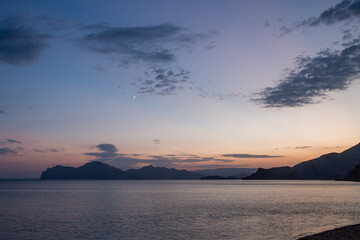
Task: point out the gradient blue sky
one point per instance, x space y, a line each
183 84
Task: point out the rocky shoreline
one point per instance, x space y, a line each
347 232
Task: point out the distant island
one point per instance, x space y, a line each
332 166
99 170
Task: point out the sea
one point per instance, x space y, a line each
175 209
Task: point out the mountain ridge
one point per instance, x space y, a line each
99 170
329 166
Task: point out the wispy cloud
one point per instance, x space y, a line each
7 151
20 44
47 150
157 43
303 147
12 141
242 155
109 153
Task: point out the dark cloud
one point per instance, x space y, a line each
39 150
156 141
303 147
313 78
351 43
267 23
210 46
107 151
105 147
284 30
19 43
24 38
12 141
6 151
3 109
162 81
241 155
151 44
53 150
98 68
345 10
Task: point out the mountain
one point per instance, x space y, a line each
272 173
91 170
99 170
227 172
327 167
354 175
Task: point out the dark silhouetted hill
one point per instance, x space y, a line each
99 170
327 167
272 173
92 170
354 175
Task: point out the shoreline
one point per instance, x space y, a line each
346 232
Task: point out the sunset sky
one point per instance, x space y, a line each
184 84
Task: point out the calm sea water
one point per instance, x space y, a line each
162 209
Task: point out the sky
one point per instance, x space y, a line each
183 84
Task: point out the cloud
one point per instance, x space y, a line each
105 147
40 150
53 150
157 43
241 155
6 151
162 81
156 141
23 39
107 151
3 109
12 141
345 10
98 68
303 147
109 154
19 43
313 78
267 23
